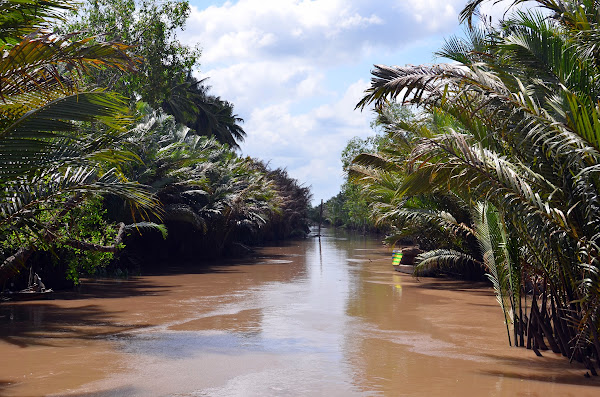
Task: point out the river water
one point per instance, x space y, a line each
315 317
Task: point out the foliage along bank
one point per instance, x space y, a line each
503 159
108 139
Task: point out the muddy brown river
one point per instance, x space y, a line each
324 317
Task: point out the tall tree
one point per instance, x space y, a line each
191 104
150 27
165 78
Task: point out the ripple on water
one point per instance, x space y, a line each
268 261
179 344
357 260
427 345
277 261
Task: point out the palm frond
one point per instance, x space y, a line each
444 259
19 18
141 226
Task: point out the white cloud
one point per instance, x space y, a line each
285 66
326 31
251 84
309 144
498 10
433 14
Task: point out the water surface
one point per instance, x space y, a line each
322 316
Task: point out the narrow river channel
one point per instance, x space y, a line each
317 317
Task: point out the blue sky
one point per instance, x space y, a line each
295 69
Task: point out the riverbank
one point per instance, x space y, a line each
322 316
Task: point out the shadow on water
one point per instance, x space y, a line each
544 370
66 316
472 287
42 324
112 288
115 288
225 265
567 379
108 288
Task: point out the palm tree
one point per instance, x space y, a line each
207 115
441 222
19 18
204 186
59 142
523 139
239 202
288 216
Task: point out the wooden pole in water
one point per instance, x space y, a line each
320 217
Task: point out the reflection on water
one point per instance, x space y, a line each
323 316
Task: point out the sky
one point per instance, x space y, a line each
295 70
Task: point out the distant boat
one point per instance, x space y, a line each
35 290
404 260
396 259
27 295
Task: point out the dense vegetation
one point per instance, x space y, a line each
502 161
112 152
